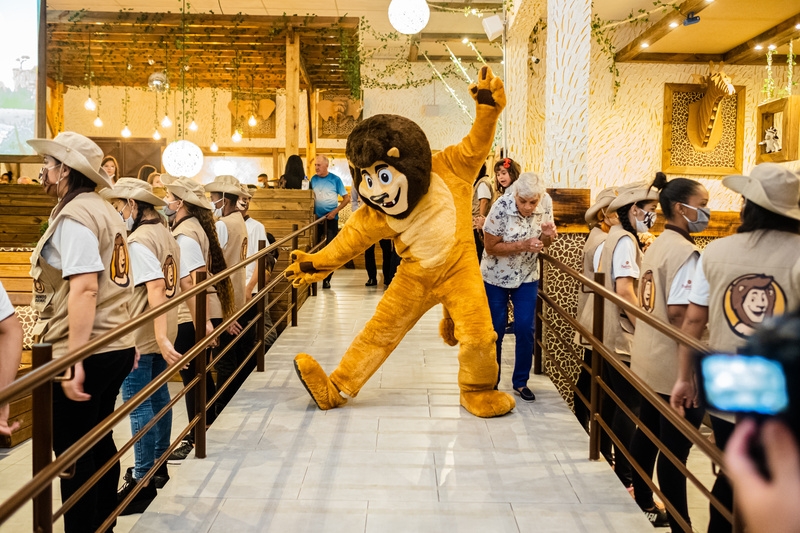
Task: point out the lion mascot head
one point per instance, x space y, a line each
391 159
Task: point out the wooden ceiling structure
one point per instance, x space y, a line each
213 50
738 32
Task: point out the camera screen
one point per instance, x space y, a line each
744 384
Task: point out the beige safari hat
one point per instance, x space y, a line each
632 193
75 151
771 186
226 184
604 198
133 188
187 190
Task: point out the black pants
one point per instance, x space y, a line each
231 361
582 412
329 230
388 267
621 424
183 343
105 373
670 480
722 487
478 243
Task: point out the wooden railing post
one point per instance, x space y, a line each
537 320
261 265
597 360
200 370
42 440
293 301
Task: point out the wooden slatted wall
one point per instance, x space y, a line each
23 210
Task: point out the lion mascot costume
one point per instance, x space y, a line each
422 203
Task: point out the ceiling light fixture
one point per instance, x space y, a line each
214 148
673 24
759 47
126 132
89 104
156 136
236 137
193 126
465 40
183 158
98 122
644 45
252 122
409 17
771 47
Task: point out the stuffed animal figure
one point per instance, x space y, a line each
771 140
424 204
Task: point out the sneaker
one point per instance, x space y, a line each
526 394
181 452
326 284
656 516
161 476
371 282
142 499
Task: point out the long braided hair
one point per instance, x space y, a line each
224 287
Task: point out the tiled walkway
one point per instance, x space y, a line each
401 457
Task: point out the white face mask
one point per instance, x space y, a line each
218 210
643 226
128 221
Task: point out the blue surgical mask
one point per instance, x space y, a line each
703 218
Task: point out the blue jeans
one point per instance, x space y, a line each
524 300
156 441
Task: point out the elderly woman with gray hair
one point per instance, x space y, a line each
518 227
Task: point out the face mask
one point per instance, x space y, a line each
703 217
643 226
218 210
128 221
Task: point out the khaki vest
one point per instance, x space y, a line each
751 276
617 327
190 227
157 239
476 204
585 310
654 355
235 251
114 284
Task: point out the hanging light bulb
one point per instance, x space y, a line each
214 147
193 126
98 122
409 16
252 121
89 104
236 137
126 132
157 135
167 123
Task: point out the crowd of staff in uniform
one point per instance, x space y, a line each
147 250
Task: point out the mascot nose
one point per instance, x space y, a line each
379 199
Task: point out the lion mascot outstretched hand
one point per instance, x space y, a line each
422 203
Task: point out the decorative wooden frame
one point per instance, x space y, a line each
337 123
666 163
790 143
266 128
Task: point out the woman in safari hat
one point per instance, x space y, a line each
82 287
739 282
193 228
155 258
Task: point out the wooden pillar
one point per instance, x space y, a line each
311 152
41 77
292 94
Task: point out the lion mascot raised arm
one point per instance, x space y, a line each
422 203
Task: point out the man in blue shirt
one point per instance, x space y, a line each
327 189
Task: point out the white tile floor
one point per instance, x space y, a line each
402 456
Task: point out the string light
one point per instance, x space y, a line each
193 126
236 137
98 122
214 147
252 121
156 135
167 123
126 132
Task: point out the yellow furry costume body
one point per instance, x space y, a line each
435 241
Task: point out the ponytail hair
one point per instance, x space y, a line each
141 208
224 287
676 191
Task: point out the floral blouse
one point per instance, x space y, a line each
504 221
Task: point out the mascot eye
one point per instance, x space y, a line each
385 176
369 180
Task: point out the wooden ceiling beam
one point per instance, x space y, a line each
777 35
413 49
452 37
701 58
658 30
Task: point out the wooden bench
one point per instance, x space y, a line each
15 276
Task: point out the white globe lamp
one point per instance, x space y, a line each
409 16
183 158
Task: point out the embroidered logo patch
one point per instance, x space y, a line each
170 270
749 300
647 292
120 264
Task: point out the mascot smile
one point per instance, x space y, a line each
423 203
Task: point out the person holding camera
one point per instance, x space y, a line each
664 286
740 281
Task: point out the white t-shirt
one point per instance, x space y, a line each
623 264
683 281
222 233
701 290
6 309
73 249
484 193
191 255
255 233
144 264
